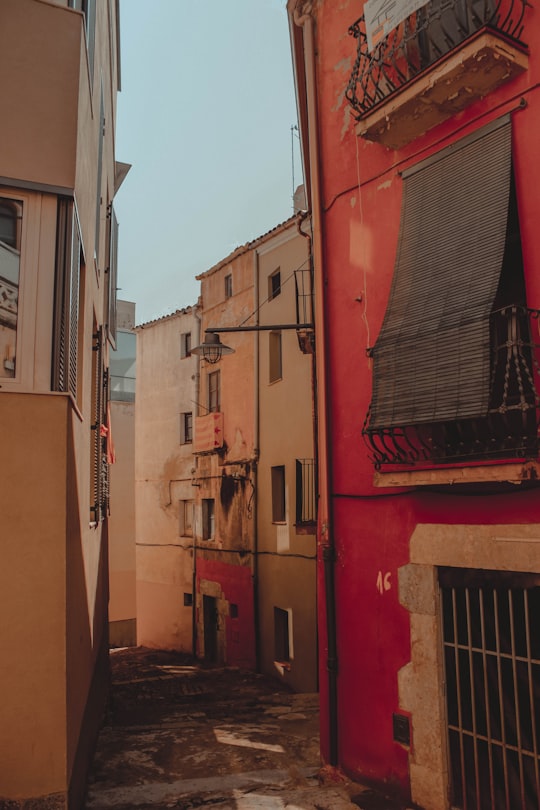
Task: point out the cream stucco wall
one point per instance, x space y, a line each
287 572
122 599
32 585
167 386
122 520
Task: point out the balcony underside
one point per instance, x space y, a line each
462 77
512 473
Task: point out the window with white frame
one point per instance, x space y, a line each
214 403
274 284
278 494
10 260
185 345
208 519
185 518
186 427
275 371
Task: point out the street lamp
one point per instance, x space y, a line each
212 349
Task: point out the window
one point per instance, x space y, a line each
112 272
274 285
233 611
67 294
208 519
88 7
186 428
305 491
99 471
443 384
228 286
213 392
185 518
99 188
188 600
122 367
274 351
282 651
278 495
10 260
185 345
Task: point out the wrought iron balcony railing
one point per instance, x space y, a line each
420 40
509 430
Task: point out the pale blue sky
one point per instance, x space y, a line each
205 117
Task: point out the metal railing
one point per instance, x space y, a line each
510 427
420 40
491 648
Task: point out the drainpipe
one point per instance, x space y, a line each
254 476
303 17
306 216
197 339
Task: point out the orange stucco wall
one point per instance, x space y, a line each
122 519
44 42
236 382
32 584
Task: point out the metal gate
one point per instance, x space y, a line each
491 639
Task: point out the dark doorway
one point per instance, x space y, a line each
491 638
210 618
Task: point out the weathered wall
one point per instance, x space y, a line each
228 583
224 563
122 606
287 559
361 200
167 385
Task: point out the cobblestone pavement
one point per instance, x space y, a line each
179 735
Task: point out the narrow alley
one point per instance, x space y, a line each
181 735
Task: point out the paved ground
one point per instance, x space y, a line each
179 735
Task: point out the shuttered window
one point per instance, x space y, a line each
67 291
112 288
100 432
432 357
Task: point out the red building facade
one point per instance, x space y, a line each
419 144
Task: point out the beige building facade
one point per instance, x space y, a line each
60 67
225 471
225 466
167 390
255 555
122 602
286 497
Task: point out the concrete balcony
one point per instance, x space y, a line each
42 60
431 66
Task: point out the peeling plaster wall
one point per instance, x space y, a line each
224 563
166 388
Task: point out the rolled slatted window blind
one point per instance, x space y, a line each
432 356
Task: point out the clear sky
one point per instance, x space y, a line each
204 116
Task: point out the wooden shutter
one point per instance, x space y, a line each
67 283
432 357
